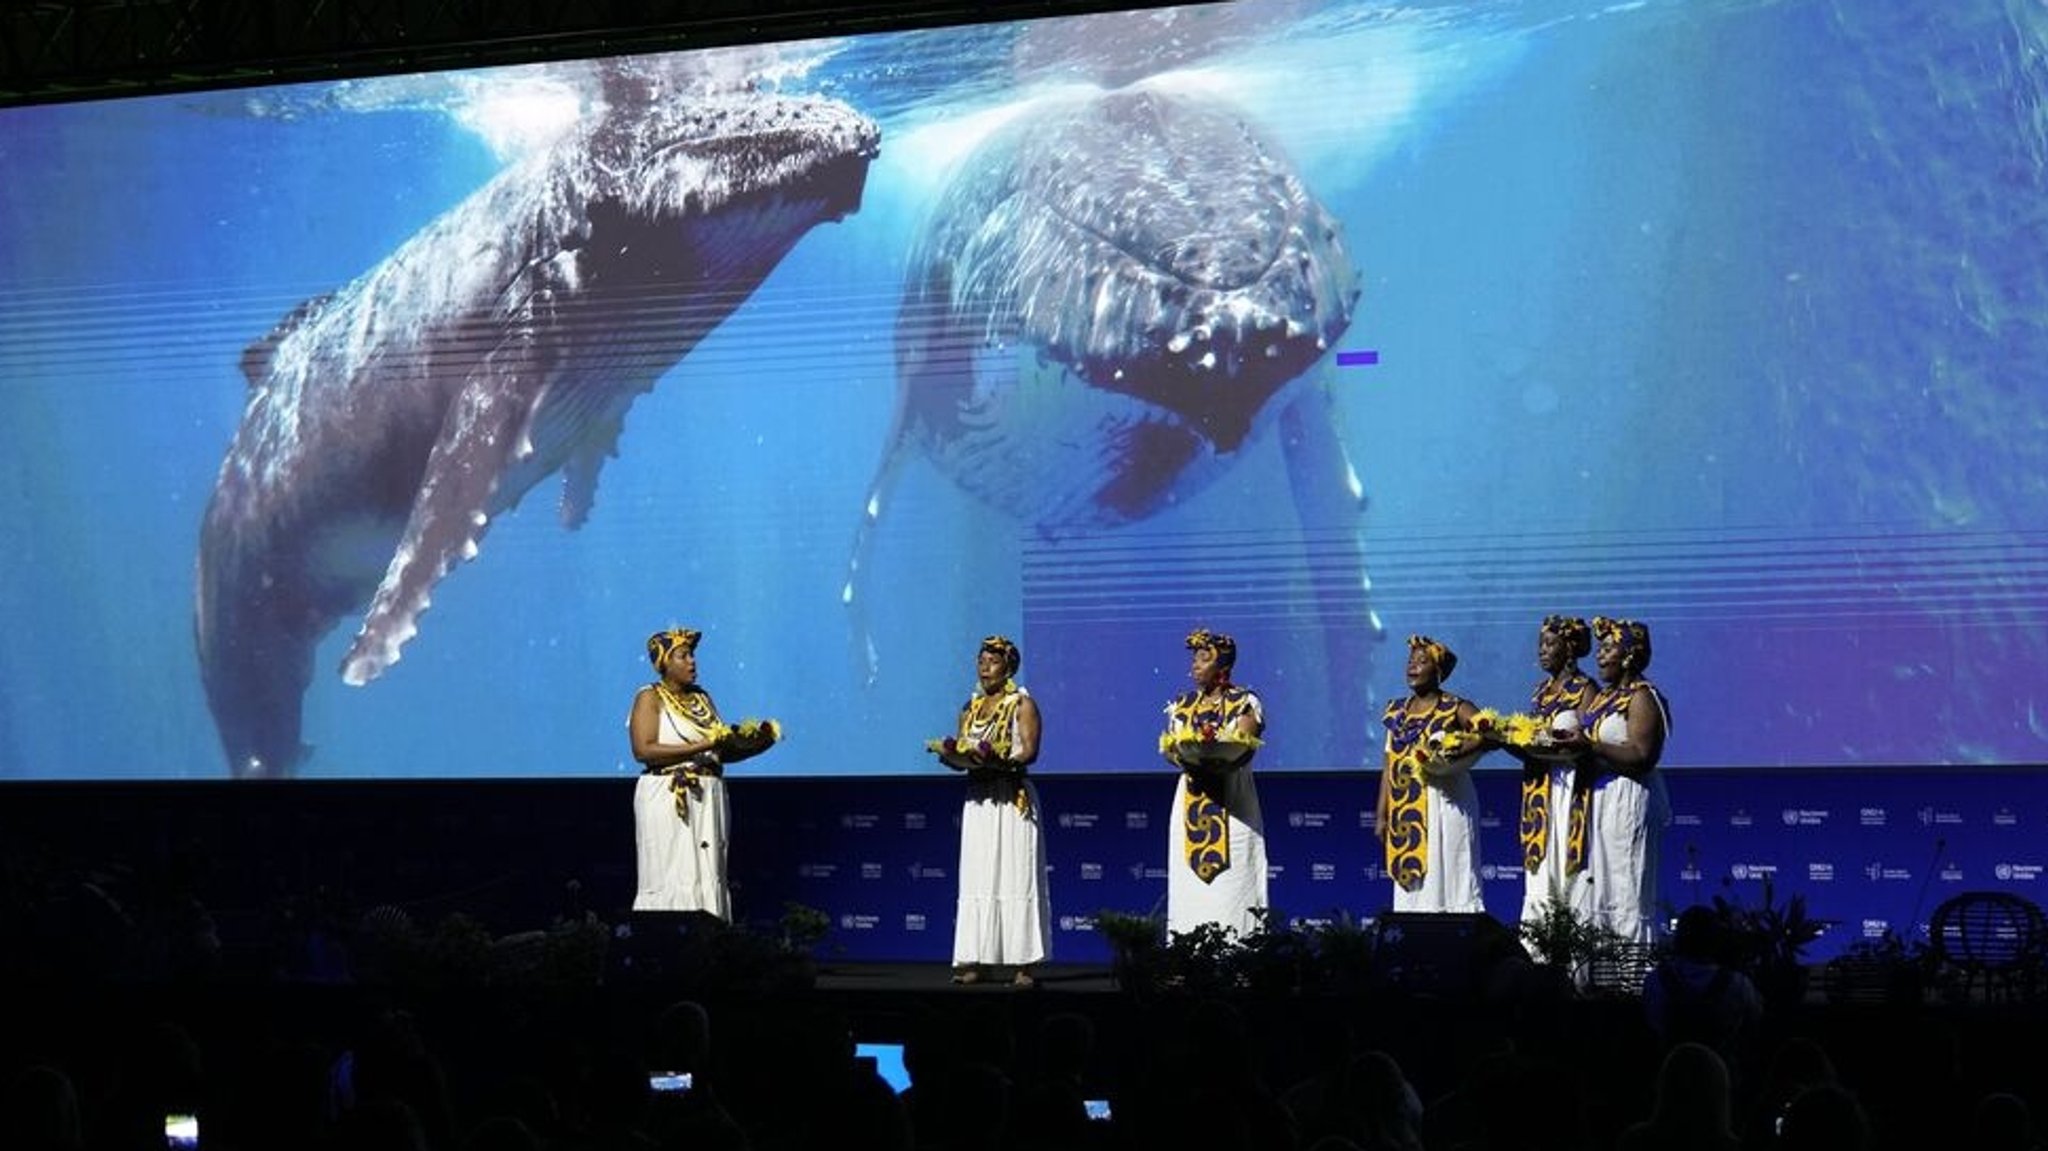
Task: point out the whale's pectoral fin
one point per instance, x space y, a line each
579 473
867 661
1330 501
481 436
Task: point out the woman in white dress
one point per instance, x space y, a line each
1554 815
1216 843
1005 911
679 804
1623 741
1428 807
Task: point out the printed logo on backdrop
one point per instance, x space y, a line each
1373 873
1082 820
920 871
1820 873
1498 873
913 921
913 821
1322 872
1142 871
1136 821
870 870
1308 819
855 921
1091 871
1744 872
859 820
1687 819
1870 817
816 870
1879 872
1935 817
1365 818
1875 928
2004 817
1804 817
1740 817
1691 872
2020 872
1490 819
1071 923
1950 873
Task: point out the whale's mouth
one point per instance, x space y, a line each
1213 378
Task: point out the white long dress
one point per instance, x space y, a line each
682 859
1549 877
1452 821
1005 910
1449 823
1235 893
1628 831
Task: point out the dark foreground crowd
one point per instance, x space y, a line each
345 1069
347 1032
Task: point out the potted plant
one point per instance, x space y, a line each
1566 942
1769 941
1887 969
1137 947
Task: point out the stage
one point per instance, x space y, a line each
873 859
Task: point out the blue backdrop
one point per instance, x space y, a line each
1870 850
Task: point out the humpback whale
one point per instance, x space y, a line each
389 422
1111 298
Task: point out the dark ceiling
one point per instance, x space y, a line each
54 50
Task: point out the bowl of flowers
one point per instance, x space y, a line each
1208 747
963 755
747 738
1534 736
1451 752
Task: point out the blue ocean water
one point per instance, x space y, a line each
1724 316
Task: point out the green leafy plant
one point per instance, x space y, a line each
1561 938
1886 969
1137 946
802 928
1771 935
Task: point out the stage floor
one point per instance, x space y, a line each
924 978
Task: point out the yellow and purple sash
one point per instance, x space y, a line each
1573 693
1408 748
1205 822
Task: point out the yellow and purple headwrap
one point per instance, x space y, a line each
1628 636
1225 647
1001 645
1570 631
1444 658
662 643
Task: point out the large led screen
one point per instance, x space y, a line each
368 428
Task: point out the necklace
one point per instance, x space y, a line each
990 717
693 707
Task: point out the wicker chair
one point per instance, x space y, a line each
1992 941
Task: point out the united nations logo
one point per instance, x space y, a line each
2002 871
1791 817
1740 871
1066 820
1487 871
1294 819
